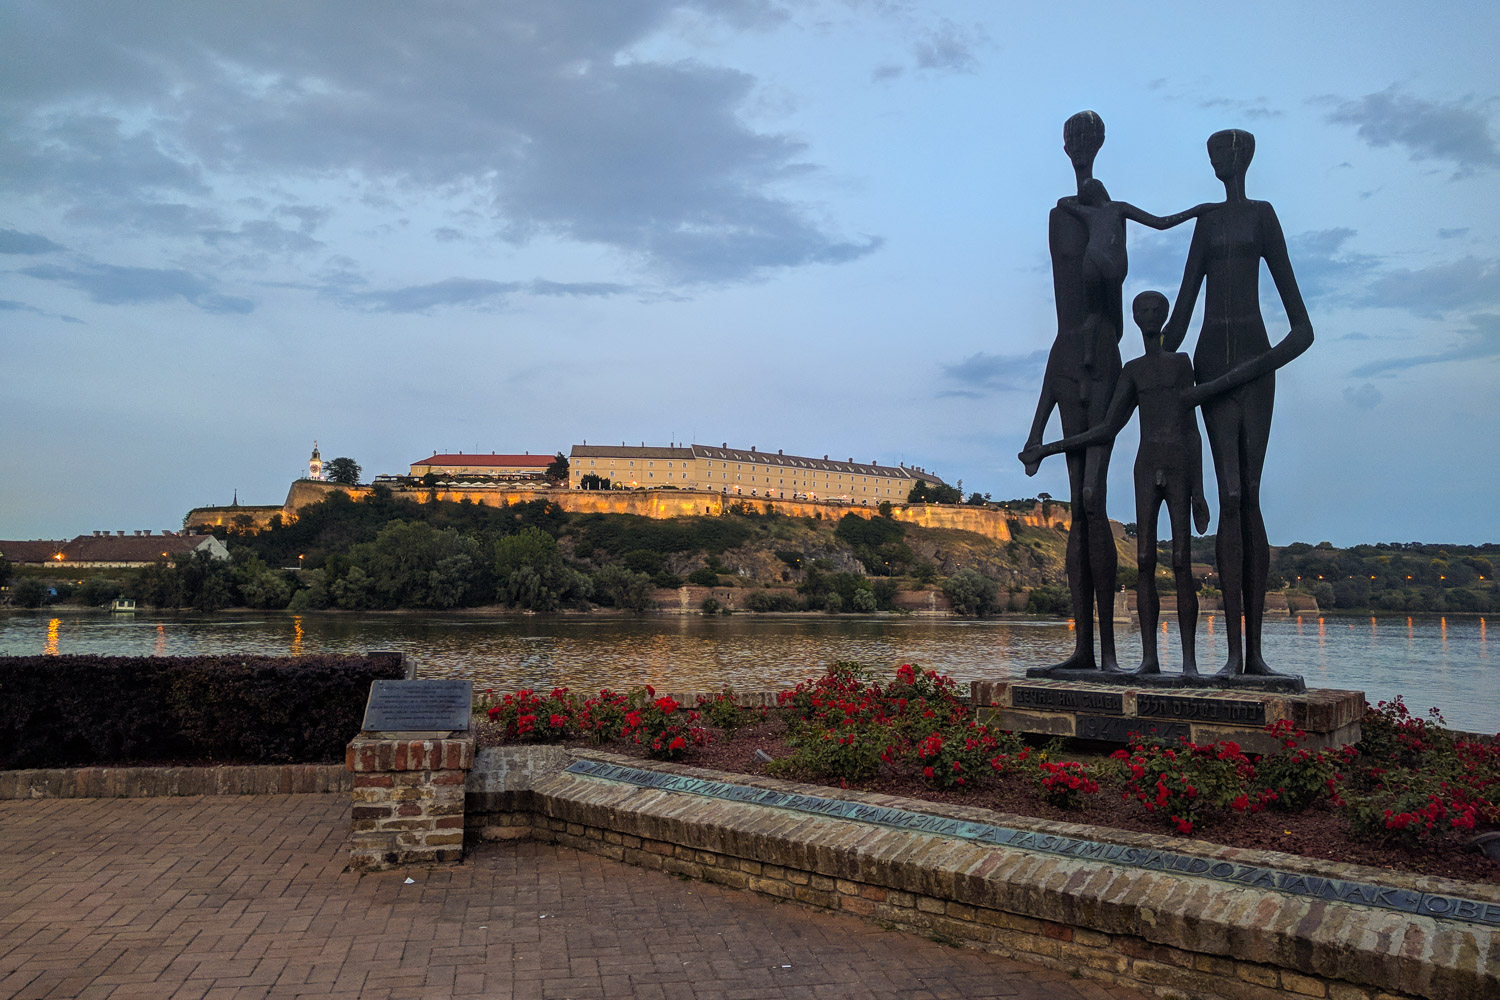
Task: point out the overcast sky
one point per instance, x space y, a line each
227 230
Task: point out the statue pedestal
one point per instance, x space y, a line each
1110 712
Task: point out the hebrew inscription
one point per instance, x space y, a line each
1228 710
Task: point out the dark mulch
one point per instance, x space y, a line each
1317 833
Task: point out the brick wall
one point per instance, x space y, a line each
408 800
1158 931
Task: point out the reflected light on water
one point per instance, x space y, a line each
296 649
160 648
50 649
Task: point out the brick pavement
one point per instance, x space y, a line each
246 897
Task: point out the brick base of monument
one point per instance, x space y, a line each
1111 713
408 800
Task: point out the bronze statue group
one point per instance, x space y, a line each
1231 375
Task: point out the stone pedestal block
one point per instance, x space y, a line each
408 800
1110 712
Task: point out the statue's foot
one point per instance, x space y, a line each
1150 664
1232 668
1200 514
1189 667
1257 666
1081 660
1112 666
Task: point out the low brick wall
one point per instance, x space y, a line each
408 800
1160 931
148 782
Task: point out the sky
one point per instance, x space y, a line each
229 230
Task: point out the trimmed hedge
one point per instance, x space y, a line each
67 711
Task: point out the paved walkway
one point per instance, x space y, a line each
245 897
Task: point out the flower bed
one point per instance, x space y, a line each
1410 796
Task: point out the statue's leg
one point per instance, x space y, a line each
1080 573
1222 417
1147 601
1259 398
1103 560
1179 510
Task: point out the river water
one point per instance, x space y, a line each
1446 663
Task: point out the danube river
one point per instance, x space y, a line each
1431 661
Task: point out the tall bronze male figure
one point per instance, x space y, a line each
1080 385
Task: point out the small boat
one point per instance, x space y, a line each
122 606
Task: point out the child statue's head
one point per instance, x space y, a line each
1150 312
1093 193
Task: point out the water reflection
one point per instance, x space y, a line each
1434 661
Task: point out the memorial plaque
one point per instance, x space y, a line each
1225 710
1067 700
1117 730
418 706
1285 881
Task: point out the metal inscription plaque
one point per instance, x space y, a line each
1231 710
1118 730
1292 883
418 706
1067 700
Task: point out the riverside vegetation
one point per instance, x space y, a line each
1411 794
383 552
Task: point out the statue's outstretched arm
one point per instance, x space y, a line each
1145 218
1121 405
1187 296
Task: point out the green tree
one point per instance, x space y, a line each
530 573
971 592
592 482
5 571
343 470
624 588
29 593
98 591
416 565
557 472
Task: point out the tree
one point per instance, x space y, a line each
4 571
343 470
972 593
557 472
593 482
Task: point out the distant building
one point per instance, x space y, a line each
749 473
119 550
36 552
447 467
314 466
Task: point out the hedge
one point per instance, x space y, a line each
65 711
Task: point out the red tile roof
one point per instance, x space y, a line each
128 548
498 461
36 551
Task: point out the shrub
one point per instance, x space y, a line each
1294 778
66 711
972 593
703 577
1063 783
524 714
721 709
710 605
1181 786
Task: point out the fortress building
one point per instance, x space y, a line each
527 466
314 464
751 473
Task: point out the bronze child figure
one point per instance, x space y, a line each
1168 467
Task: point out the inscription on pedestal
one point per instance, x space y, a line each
418 706
1066 700
1228 710
1117 730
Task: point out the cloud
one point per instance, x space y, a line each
1452 234
1257 109
474 293
1324 267
264 236
10 305
146 117
14 241
1456 132
947 47
1364 397
109 284
981 374
1481 342
1467 283
886 71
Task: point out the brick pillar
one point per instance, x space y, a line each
408 800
